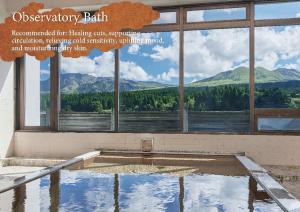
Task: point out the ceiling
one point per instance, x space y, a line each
15 5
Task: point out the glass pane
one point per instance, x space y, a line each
277 75
216 14
277 10
279 124
37 92
87 92
166 18
149 85
217 80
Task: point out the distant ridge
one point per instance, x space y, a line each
241 76
84 83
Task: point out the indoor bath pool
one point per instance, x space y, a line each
136 183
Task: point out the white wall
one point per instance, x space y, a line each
32 91
6 100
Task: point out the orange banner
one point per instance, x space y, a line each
41 34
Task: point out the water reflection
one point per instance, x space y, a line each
19 199
94 191
54 192
116 193
181 194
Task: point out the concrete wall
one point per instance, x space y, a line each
6 100
266 150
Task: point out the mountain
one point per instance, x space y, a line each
84 83
290 74
241 76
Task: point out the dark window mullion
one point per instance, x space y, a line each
181 70
54 91
252 67
116 90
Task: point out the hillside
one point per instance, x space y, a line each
84 83
241 76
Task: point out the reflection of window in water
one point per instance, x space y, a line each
273 124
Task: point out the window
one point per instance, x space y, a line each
149 84
277 71
279 124
217 80
37 92
167 18
216 15
216 76
87 92
277 10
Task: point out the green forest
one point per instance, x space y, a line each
219 98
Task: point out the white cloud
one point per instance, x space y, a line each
199 15
149 196
298 15
268 61
105 65
101 66
211 52
206 53
133 49
166 18
97 191
146 36
44 73
195 16
291 66
168 76
83 65
132 71
274 45
208 192
232 10
170 52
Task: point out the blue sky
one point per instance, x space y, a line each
279 10
207 53
216 14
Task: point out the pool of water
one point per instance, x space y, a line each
141 187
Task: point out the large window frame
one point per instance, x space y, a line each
181 25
